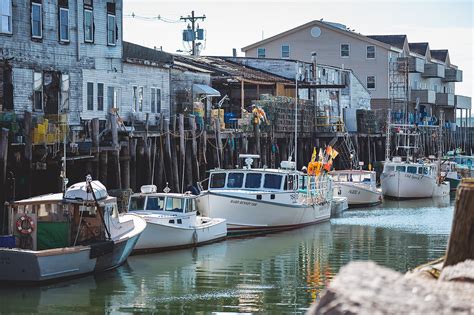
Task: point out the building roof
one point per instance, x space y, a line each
329 25
419 48
140 53
392 40
226 69
439 54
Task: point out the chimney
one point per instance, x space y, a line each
234 52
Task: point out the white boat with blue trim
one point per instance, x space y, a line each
265 200
358 186
172 221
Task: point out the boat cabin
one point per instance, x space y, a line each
57 220
355 176
411 168
170 203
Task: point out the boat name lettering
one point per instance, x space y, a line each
243 202
354 192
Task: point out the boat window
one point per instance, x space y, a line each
49 212
253 180
292 183
401 169
137 203
235 180
190 205
218 180
365 178
272 181
155 203
411 169
175 204
303 180
389 168
420 170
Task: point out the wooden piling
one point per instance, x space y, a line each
115 152
28 127
125 165
461 240
103 159
182 151
194 151
132 145
96 146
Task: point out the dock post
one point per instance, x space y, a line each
461 240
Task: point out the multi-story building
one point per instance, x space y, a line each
428 79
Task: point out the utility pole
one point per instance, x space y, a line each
193 20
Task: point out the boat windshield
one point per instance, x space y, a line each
235 180
137 203
272 181
155 203
411 169
253 180
175 204
389 168
217 180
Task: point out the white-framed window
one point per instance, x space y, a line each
63 24
371 82
38 91
36 20
88 26
285 51
113 97
370 52
140 98
261 52
100 96
137 98
345 50
6 16
90 96
111 36
155 100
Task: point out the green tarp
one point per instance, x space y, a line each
52 235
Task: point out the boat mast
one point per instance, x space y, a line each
296 114
387 138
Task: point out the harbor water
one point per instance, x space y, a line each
277 273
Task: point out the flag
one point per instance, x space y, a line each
313 156
320 157
328 150
334 153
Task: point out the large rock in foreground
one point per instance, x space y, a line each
366 288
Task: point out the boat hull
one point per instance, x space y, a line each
246 215
21 265
165 237
406 186
358 195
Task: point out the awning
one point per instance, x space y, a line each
205 89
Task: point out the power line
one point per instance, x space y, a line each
151 18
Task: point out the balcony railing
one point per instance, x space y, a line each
463 102
433 70
416 64
423 96
444 99
452 75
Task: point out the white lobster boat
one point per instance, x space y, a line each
409 180
266 200
358 186
172 221
57 236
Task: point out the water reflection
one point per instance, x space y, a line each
277 273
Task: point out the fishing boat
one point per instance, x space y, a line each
172 220
358 186
261 200
68 234
449 172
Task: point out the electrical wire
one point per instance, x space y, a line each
151 18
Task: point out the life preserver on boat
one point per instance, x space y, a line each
25 224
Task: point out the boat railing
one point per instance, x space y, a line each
318 190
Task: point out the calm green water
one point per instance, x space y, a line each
278 273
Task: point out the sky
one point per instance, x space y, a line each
234 24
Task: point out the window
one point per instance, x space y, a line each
174 204
189 205
272 181
6 16
371 82
137 203
112 97
64 92
38 91
218 180
235 180
253 180
63 24
90 96
261 52
400 169
155 203
285 51
36 20
111 27
134 99
411 169
389 169
100 96
371 52
155 100
345 50
111 38
88 26
140 98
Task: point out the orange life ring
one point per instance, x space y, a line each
25 224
